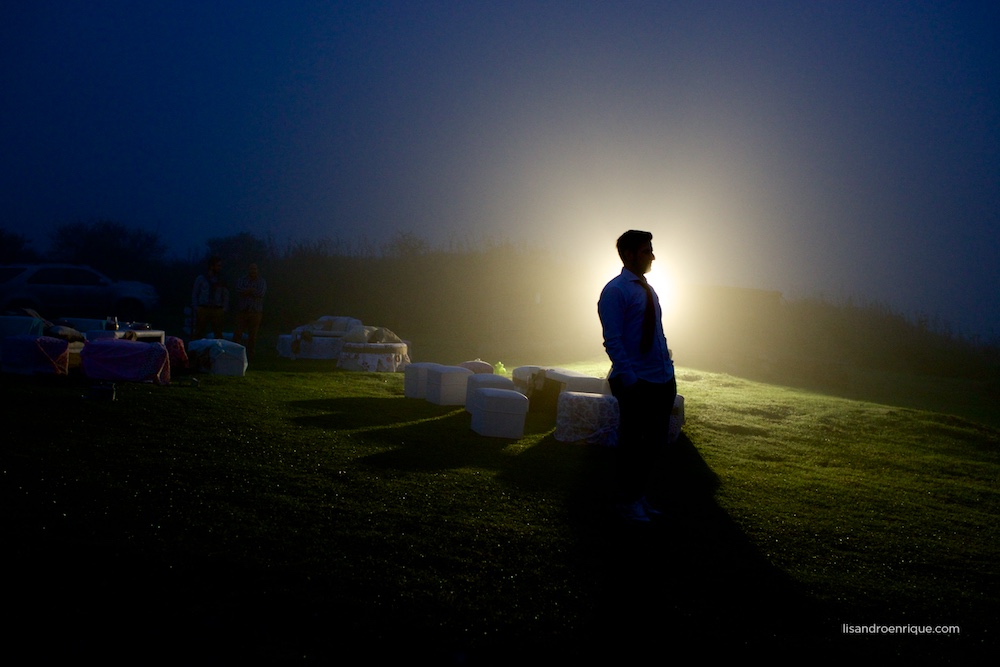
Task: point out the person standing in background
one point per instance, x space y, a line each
210 299
250 289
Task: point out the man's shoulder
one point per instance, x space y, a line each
621 282
615 291
613 284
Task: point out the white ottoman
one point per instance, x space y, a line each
224 356
524 377
415 379
587 417
482 381
446 385
574 381
593 418
500 413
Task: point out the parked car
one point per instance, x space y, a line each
69 290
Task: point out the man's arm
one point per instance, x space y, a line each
611 309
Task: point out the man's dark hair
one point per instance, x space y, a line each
631 241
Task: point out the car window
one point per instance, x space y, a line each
9 272
65 276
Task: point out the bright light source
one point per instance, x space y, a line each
666 288
661 277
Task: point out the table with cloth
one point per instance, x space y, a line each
123 360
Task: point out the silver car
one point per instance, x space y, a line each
70 290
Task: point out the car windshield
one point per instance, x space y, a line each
9 272
65 276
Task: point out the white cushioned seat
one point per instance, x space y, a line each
482 381
576 381
524 377
415 379
446 385
587 417
499 413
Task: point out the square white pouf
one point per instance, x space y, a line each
415 379
593 418
225 357
483 381
574 381
500 413
446 385
587 417
524 377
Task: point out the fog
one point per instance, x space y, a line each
836 149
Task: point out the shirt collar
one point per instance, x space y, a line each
632 276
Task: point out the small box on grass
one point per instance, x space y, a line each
415 379
483 381
446 385
500 413
587 417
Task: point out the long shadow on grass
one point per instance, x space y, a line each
369 413
409 435
691 578
690 581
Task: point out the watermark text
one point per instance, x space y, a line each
908 629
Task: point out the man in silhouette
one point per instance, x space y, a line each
642 372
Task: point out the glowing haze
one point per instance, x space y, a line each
815 148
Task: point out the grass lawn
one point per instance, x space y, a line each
302 514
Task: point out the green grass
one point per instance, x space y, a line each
302 514
887 502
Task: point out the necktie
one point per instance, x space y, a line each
648 319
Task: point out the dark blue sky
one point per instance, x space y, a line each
817 148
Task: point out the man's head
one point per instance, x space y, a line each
252 271
214 264
636 251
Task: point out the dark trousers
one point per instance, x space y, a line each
644 423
